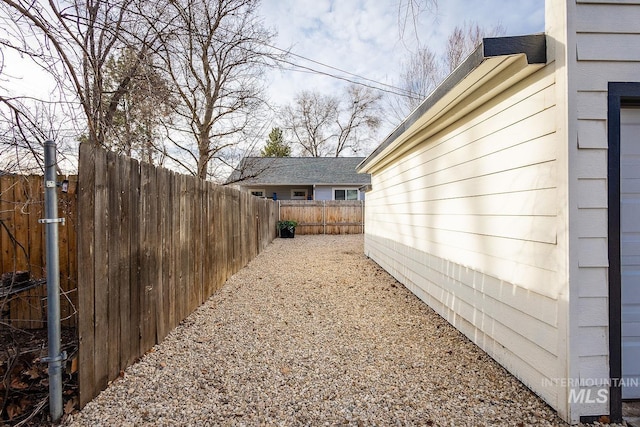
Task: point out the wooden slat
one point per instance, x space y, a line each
100 261
197 245
68 209
114 239
86 272
182 294
135 312
175 252
163 204
24 305
10 247
35 243
124 261
148 245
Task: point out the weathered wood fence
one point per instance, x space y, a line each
324 217
152 246
22 248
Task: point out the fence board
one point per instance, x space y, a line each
112 261
68 209
23 306
164 211
124 255
174 261
101 283
86 274
135 348
35 240
324 217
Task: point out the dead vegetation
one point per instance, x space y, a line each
24 389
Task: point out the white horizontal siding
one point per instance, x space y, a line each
592 133
593 252
592 193
468 221
516 327
593 282
482 193
594 76
608 47
601 18
607 41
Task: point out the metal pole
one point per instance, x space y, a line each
51 221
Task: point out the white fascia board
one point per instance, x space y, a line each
493 76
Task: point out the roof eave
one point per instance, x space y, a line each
516 56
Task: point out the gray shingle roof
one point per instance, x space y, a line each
299 171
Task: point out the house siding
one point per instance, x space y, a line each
606 39
500 220
468 221
283 192
323 193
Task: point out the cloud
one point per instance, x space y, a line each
362 36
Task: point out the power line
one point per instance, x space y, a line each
392 89
314 71
407 93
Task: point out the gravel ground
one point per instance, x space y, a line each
312 332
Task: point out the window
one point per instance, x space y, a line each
345 194
259 193
299 194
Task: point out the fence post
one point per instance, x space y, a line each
51 220
324 217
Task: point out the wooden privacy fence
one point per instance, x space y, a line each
152 246
23 297
324 217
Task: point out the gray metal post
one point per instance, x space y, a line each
51 221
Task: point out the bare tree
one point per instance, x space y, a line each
464 39
409 12
325 125
213 56
424 70
73 41
357 119
309 119
420 75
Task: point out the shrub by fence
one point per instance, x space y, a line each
23 297
153 246
324 217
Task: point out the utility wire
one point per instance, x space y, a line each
314 71
407 93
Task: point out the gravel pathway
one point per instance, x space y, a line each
312 332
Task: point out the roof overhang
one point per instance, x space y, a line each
497 64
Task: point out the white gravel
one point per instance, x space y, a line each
312 332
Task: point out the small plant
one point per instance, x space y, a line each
287 228
289 225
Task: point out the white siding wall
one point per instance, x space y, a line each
468 220
606 38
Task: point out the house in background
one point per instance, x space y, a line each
509 201
301 178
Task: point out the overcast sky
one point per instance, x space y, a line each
362 36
